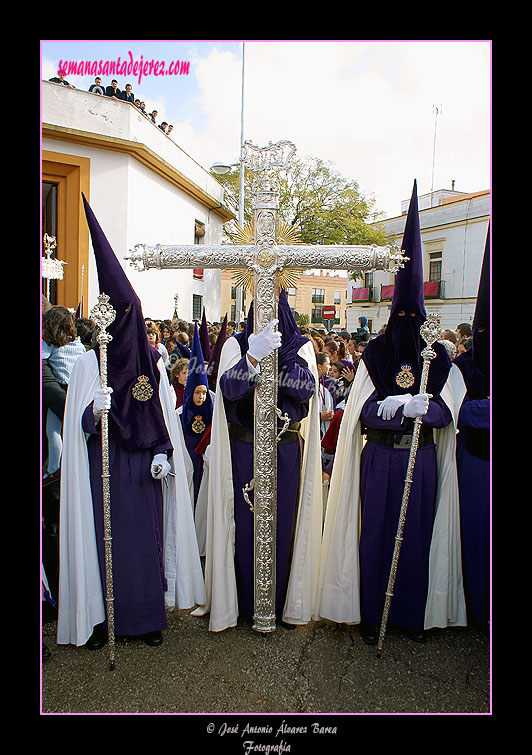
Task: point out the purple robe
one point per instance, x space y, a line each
296 387
136 529
473 464
382 476
191 441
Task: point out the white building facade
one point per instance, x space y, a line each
142 187
454 228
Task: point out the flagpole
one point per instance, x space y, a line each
240 289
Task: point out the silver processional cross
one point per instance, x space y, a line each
265 260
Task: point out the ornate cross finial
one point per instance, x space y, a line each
430 332
103 314
431 329
50 244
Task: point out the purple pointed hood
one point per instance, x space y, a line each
135 418
481 320
214 361
197 375
474 364
243 336
408 294
394 359
204 337
292 339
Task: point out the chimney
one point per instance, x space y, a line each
452 185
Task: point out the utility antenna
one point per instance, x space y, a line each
437 110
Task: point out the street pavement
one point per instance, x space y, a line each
321 668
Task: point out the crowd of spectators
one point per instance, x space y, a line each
113 92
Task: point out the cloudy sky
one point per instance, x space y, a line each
369 107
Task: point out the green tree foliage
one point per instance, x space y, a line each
303 320
326 207
320 203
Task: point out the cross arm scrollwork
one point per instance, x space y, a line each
361 257
143 257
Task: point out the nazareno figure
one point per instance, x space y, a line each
155 557
473 454
229 566
367 482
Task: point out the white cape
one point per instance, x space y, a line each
339 581
220 580
81 603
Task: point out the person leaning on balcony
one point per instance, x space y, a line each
127 94
113 90
97 87
60 79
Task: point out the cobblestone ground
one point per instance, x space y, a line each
321 668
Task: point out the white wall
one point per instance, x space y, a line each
84 111
159 213
463 226
135 205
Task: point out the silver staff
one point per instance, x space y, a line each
430 332
103 315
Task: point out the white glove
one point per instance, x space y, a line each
417 406
259 346
389 405
101 401
160 466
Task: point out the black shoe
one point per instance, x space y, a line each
45 653
417 635
154 639
97 640
285 625
370 633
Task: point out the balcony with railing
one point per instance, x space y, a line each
431 290
363 294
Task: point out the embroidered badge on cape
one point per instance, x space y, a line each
405 378
198 424
142 389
